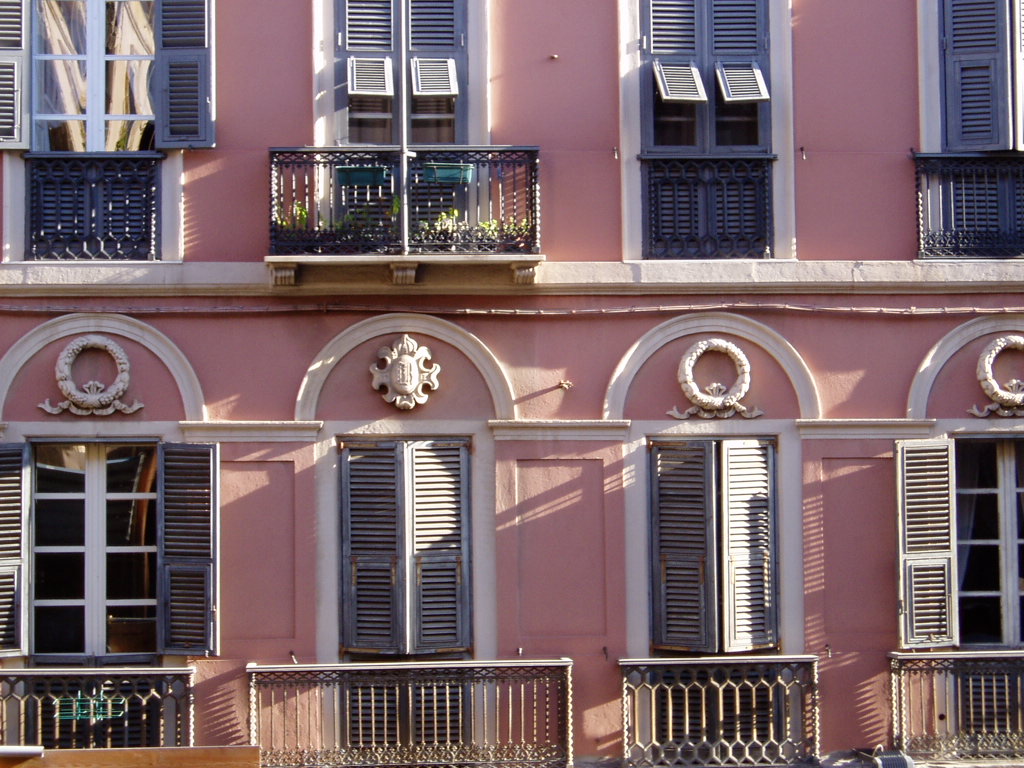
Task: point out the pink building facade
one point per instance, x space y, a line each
401 382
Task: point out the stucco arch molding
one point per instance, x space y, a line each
23 350
774 344
335 350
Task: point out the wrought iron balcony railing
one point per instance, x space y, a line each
720 710
458 200
514 714
93 206
970 206
959 706
97 708
707 207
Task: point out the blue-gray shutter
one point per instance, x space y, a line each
749 604
188 548
927 540
737 28
673 26
440 537
184 74
435 25
14 70
13 543
371 538
368 25
683 557
977 76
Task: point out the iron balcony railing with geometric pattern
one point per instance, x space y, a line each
459 200
93 206
959 705
99 708
755 710
512 714
707 207
970 206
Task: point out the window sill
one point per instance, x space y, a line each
403 270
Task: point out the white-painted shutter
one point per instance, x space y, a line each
741 81
370 76
679 81
976 68
748 530
184 74
439 546
371 534
434 77
188 545
13 547
683 558
14 75
927 537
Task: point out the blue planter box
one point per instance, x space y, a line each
361 175
448 173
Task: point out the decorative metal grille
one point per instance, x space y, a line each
959 706
87 206
81 709
513 714
970 206
460 200
720 711
707 208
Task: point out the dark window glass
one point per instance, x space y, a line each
736 123
981 620
131 629
675 122
59 522
131 575
59 575
979 567
976 464
59 629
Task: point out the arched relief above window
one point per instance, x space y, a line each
646 384
94 397
972 362
158 367
716 400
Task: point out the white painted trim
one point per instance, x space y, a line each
252 431
929 74
483 546
716 323
69 325
780 33
864 429
14 208
789 525
933 362
473 348
171 233
630 130
324 36
559 430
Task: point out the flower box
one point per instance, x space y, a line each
361 175
448 173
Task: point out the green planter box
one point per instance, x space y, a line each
448 173
361 175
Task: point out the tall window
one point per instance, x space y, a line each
405 543
962 538
372 42
706 129
712 545
119 549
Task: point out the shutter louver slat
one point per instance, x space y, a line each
735 28
13 458
11 29
14 57
673 26
683 547
748 525
927 541
679 82
188 545
741 81
184 74
183 24
368 25
370 77
434 77
432 24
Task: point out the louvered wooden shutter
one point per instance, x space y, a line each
738 46
927 520
368 25
439 546
673 27
371 531
683 547
14 101
976 68
184 74
188 548
13 523
435 25
748 525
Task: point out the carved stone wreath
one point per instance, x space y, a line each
716 401
93 398
1008 400
405 374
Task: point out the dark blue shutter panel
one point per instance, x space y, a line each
13 517
184 74
673 27
433 25
977 75
737 28
368 25
188 548
683 558
439 502
371 533
14 101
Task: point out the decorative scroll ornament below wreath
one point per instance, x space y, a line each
405 374
1008 401
716 401
94 398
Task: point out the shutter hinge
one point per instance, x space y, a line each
899 608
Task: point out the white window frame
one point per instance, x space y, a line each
94 548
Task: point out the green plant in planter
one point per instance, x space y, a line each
293 218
